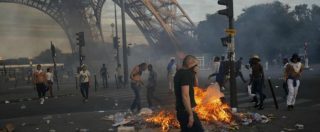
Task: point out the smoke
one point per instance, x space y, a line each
273 31
27 32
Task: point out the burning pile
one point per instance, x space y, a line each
209 108
165 119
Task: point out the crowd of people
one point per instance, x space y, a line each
182 80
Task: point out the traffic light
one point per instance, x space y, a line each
80 38
229 8
116 42
225 41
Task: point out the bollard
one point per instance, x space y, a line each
274 97
16 79
95 82
107 84
76 82
117 85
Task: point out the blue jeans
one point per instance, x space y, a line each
84 88
136 102
257 88
41 89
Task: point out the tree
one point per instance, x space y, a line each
209 33
265 29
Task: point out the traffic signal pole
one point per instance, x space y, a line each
55 71
124 44
233 82
231 51
81 43
231 56
116 35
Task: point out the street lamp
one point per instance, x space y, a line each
124 43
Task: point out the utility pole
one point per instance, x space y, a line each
55 72
229 42
124 43
306 60
116 35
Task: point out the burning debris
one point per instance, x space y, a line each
166 119
211 109
210 106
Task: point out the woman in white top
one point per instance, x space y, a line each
49 81
84 80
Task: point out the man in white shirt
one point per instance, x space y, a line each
215 67
84 77
172 69
49 81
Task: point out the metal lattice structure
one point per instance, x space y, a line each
72 15
153 17
156 16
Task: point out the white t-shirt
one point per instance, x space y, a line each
173 69
296 66
84 76
49 76
215 67
119 71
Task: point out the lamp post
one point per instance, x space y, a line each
124 43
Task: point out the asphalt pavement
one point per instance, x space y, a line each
66 112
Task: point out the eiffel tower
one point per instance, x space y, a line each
72 15
153 18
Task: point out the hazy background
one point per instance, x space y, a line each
26 32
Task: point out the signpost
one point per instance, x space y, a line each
55 72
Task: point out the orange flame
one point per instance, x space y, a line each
165 119
209 108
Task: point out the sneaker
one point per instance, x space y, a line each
41 100
256 105
260 107
290 107
86 100
222 89
254 99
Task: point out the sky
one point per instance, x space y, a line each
25 32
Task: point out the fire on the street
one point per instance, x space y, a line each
209 108
165 119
